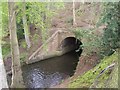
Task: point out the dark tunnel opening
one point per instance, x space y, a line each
72 44
53 71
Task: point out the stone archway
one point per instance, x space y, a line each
65 38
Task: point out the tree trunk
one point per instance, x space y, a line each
83 1
26 29
17 79
74 20
3 79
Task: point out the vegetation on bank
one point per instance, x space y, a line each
109 43
104 42
89 79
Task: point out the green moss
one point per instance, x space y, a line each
113 79
87 79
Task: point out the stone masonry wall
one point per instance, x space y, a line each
51 46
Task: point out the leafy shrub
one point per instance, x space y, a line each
23 57
23 44
91 42
110 17
5 49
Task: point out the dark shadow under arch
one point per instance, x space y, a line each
71 44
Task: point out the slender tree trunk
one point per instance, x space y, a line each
17 79
3 79
83 1
26 29
74 20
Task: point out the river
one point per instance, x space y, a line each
50 72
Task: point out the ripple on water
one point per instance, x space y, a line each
38 79
51 72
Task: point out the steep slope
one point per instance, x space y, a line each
102 76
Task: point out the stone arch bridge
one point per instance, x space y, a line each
58 44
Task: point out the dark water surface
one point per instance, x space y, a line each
50 72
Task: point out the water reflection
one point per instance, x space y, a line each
50 72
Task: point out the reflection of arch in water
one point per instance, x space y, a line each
71 44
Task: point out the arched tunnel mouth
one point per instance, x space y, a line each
71 44
51 72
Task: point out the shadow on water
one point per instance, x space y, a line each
50 72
